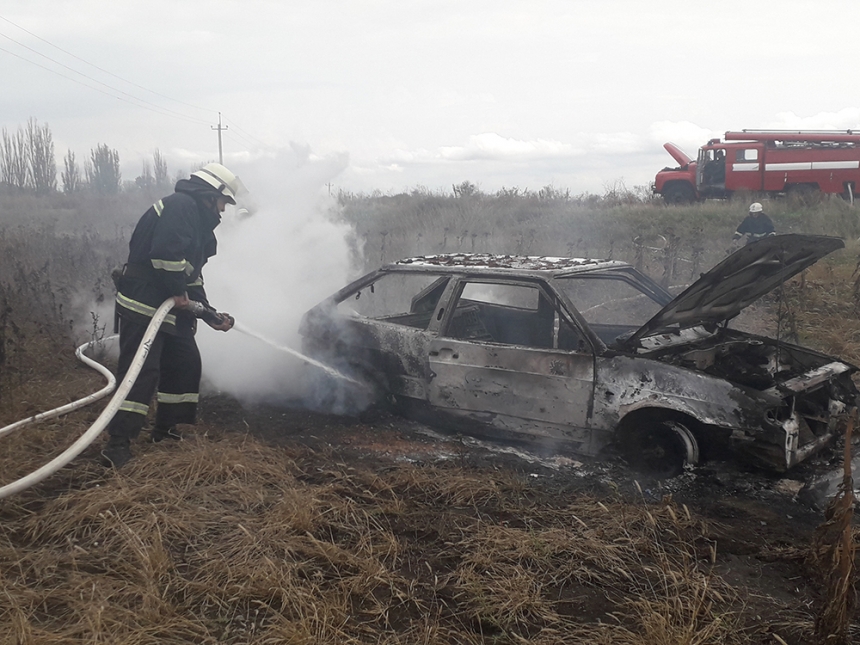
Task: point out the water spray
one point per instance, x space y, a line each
326 368
209 315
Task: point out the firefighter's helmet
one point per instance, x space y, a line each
755 207
222 180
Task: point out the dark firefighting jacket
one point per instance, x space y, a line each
169 247
756 227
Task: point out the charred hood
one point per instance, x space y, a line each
742 278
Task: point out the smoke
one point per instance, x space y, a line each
271 267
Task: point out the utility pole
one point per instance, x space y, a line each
219 128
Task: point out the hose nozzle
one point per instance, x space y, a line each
206 314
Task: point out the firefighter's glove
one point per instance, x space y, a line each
220 321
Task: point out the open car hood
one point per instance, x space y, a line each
677 154
738 281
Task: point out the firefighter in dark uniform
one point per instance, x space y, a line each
168 249
755 226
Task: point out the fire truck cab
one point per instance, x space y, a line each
764 161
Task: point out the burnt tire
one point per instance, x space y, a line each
661 448
678 193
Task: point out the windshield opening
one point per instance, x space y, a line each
605 300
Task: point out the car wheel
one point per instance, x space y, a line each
661 448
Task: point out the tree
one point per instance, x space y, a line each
103 174
159 164
145 181
466 189
42 166
71 175
13 160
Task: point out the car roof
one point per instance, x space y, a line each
514 264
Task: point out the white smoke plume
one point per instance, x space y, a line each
271 267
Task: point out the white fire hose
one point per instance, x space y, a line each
104 418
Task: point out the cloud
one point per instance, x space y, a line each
615 143
489 145
845 119
584 162
686 135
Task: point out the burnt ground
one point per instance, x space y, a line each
761 526
449 501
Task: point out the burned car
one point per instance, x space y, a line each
583 354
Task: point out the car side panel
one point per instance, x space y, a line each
511 385
624 384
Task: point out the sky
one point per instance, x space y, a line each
395 95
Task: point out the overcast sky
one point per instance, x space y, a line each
579 94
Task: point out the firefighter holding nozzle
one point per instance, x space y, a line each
755 226
169 247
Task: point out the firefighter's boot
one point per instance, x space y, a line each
162 433
117 452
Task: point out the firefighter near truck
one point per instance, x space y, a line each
771 162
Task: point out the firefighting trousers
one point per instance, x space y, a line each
171 373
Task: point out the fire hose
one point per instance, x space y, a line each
104 418
201 311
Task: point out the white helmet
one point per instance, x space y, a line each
755 207
222 180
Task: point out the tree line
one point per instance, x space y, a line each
28 165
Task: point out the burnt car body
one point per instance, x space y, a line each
586 353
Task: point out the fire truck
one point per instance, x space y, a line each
765 161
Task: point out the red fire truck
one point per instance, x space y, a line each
765 161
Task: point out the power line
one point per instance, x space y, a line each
79 82
132 99
233 123
114 89
236 136
68 53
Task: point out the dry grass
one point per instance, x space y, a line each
678 242
834 555
230 540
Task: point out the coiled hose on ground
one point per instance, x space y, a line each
104 418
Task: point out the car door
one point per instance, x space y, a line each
746 171
508 357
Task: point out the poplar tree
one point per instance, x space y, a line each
103 174
159 164
41 166
13 160
71 175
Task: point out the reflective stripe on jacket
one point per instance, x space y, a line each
169 247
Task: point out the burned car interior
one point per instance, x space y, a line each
591 353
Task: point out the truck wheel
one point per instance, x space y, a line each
804 194
661 448
678 193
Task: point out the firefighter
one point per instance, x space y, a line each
755 226
168 249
